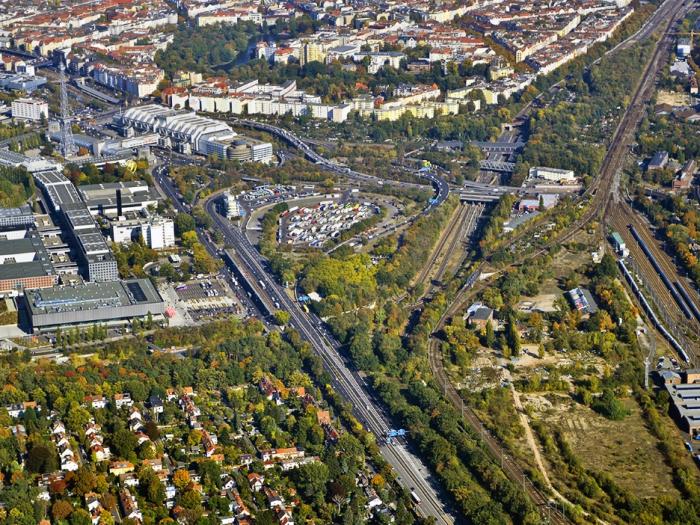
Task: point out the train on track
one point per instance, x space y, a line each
652 315
680 296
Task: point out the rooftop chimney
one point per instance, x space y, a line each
119 202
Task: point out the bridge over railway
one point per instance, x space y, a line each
496 165
499 147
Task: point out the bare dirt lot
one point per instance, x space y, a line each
625 449
672 98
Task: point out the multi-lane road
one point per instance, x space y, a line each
413 474
441 186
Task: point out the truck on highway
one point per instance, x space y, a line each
415 496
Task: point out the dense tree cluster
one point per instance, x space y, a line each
16 186
226 362
569 134
206 49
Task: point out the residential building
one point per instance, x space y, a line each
139 82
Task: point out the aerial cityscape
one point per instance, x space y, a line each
338 262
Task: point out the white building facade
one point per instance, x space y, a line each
157 232
29 109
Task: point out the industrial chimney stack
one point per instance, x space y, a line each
119 202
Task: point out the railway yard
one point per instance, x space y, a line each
660 280
452 248
603 202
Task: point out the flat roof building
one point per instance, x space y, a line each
59 191
29 109
94 255
24 264
116 302
21 216
553 174
157 232
103 199
685 399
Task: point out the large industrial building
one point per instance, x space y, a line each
112 303
24 263
117 198
187 132
92 252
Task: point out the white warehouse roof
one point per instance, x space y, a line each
185 123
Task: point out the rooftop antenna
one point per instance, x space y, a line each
67 142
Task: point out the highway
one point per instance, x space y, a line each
441 186
160 176
412 472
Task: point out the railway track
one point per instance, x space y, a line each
456 237
460 238
439 250
601 194
683 328
509 466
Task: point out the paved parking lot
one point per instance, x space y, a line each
200 289
207 298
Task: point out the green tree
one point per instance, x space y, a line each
282 317
85 480
490 336
61 509
513 336
184 223
124 443
80 517
41 459
312 479
609 406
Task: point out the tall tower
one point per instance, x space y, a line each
68 147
